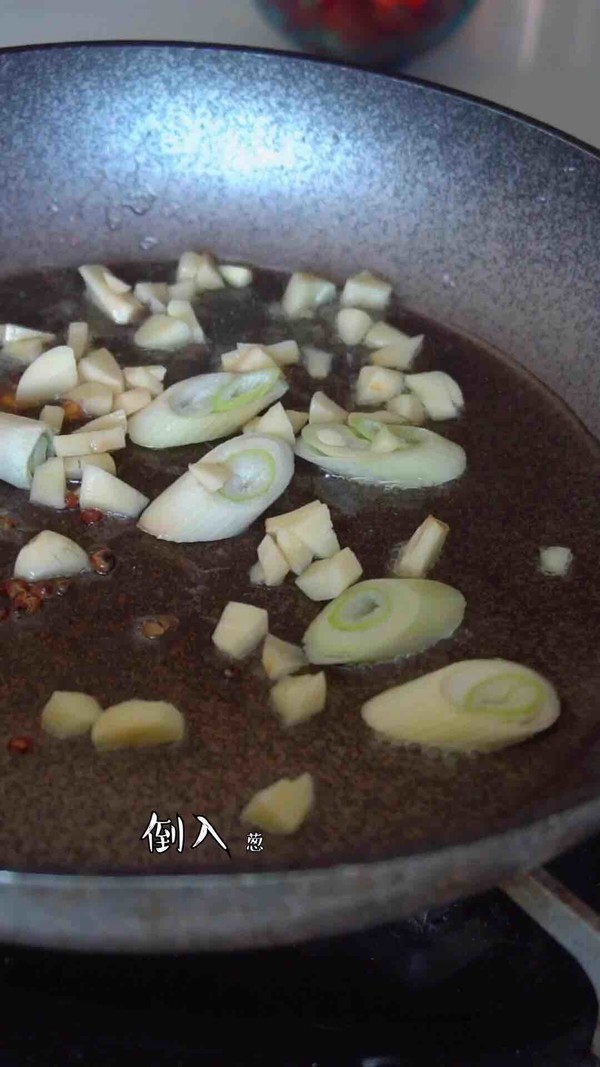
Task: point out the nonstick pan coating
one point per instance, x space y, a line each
130 153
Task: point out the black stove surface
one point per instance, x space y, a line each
474 985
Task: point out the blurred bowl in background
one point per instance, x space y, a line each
368 32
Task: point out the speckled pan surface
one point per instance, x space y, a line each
131 153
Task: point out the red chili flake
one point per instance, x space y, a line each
22 745
26 603
44 590
89 516
4 613
103 560
61 586
8 401
71 500
6 523
13 586
73 412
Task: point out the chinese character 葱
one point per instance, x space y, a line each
207 828
254 843
161 834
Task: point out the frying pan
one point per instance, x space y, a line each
484 221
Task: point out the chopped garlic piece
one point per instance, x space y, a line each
407 408
352 325
327 578
282 807
81 444
211 476
323 410
183 310
105 422
366 290
133 400
138 724
93 398
102 490
280 658
275 422
313 526
101 366
317 362
236 276
52 417
110 294
438 392
163 332
49 484
183 290
300 698
289 519
24 351
273 562
298 555
256 574
208 277
382 335
154 295
69 714
399 354
145 378
298 419
252 426
304 292
50 555
256 358
10 332
555 560
48 377
240 629
75 465
422 551
283 352
375 385
78 338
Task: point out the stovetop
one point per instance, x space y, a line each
477 984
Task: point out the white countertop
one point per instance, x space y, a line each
536 56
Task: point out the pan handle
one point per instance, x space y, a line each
567 919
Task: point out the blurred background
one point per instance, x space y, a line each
536 56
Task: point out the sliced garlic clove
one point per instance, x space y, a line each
51 375
399 354
440 395
132 400
101 366
163 332
138 724
68 714
240 629
276 423
75 465
102 490
52 417
211 476
154 295
280 658
50 555
236 276
323 410
78 338
375 385
114 418
92 397
300 698
352 325
305 292
273 563
49 484
407 408
81 444
298 419
298 555
423 550
366 290
110 294
183 310
317 362
282 807
556 560
145 378
326 579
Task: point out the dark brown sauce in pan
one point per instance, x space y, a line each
533 477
